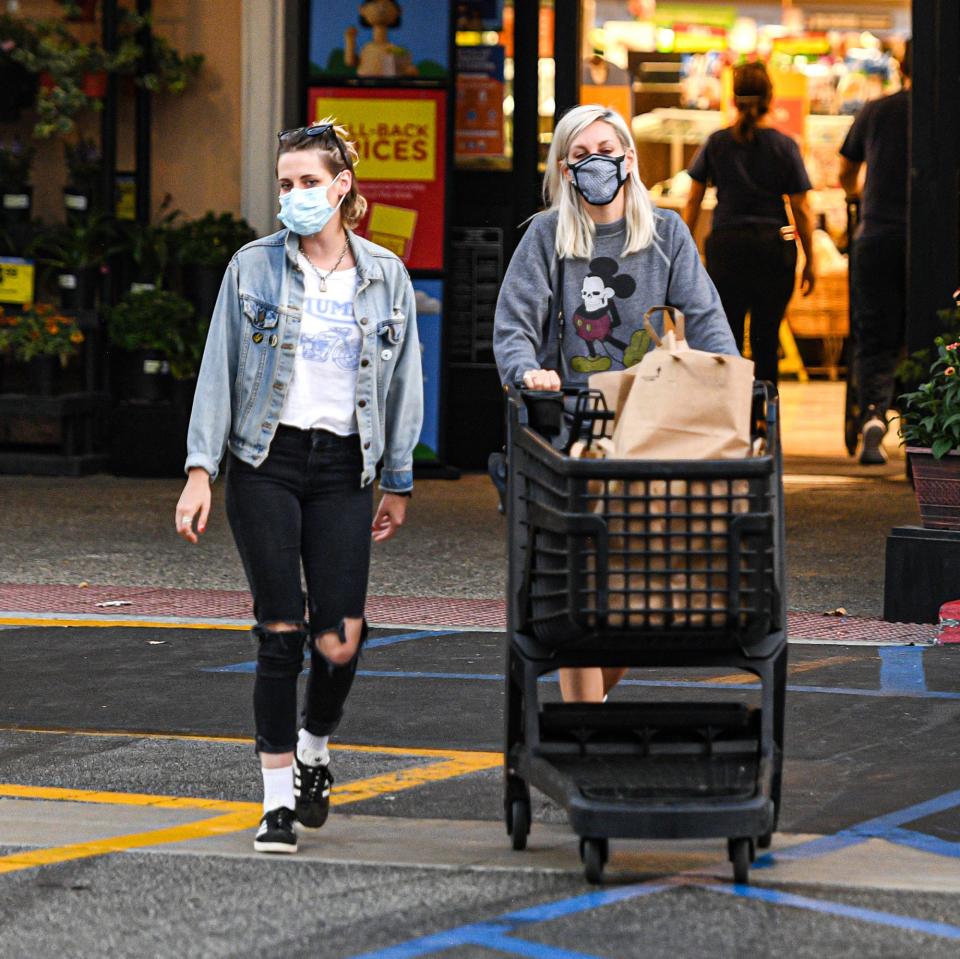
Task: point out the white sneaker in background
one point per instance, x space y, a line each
872 453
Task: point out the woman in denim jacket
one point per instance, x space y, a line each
310 376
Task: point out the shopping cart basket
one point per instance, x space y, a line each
644 563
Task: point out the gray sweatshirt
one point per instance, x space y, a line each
604 300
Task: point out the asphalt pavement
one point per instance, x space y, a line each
129 789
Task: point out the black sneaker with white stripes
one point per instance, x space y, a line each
276 832
311 786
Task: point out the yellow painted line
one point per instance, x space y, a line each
217 826
136 623
792 670
412 778
234 816
817 663
18 791
190 737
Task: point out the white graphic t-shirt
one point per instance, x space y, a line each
322 392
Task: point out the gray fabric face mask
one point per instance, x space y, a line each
598 178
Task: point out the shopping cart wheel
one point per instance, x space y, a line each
594 854
741 855
519 823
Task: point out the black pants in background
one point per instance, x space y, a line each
754 271
879 289
304 504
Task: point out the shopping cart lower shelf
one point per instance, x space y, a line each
651 769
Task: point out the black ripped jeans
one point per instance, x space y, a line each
303 506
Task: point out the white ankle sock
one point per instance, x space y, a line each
278 788
311 749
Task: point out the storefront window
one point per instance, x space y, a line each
484 110
667 68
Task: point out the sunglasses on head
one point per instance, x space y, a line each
318 130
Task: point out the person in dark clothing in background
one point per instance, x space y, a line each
751 253
879 138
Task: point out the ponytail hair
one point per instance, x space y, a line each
752 93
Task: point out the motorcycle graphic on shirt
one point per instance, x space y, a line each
597 319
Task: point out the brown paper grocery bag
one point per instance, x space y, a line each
614 385
684 403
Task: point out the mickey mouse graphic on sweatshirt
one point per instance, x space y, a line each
603 298
595 320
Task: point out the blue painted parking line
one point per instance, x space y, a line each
671 684
923 842
380 641
375 643
250 667
901 669
888 827
524 947
495 934
908 923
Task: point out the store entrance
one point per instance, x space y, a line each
495 189
668 68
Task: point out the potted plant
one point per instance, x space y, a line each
40 335
148 250
204 247
169 70
77 252
930 429
84 177
72 75
19 85
16 158
160 331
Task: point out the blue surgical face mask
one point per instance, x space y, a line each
598 178
307 211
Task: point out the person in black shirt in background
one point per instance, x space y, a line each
751 253
879 138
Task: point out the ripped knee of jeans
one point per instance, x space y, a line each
340 631
279 652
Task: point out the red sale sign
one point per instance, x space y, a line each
401 138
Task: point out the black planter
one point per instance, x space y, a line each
78 288
200 286
16 205
46 375
19 90
147 439
79 203
181 393
145 377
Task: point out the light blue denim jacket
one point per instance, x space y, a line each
248 359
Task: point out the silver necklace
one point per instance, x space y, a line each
323 276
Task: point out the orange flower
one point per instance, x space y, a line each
76 337
949 371
43 309
53 329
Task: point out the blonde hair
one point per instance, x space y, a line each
575 228
336 156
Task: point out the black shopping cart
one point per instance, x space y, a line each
640 563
